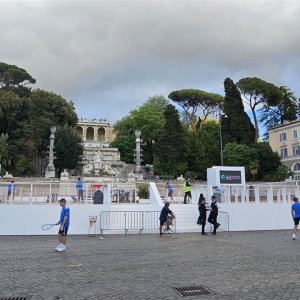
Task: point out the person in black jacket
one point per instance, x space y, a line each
164 217
201 197
214 209
202 211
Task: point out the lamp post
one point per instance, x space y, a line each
50 170
221 140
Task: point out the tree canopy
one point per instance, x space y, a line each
68 149
286 110
171 147
15 79
150 120
196 101
257 93
236 125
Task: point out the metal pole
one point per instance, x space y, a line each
221 142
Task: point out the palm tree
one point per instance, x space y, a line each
7 151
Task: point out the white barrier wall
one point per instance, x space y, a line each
28 219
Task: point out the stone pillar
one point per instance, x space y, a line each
84 133
138 173
50 170
95 133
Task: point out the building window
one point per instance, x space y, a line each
296 167
296 150
295 133
283 152
297 178
282 137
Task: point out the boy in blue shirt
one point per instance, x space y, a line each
170 190
295 211
11 189
79 188
64 223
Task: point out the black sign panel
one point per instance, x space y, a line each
230 177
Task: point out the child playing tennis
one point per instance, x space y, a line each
64 223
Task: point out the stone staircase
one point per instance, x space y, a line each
186 217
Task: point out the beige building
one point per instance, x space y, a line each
285 140
99 158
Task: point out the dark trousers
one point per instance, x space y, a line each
213 220
186 194
79 195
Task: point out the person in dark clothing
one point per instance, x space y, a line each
165 212
201 197
202 211
214 209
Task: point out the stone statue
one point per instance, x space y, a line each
64 173
88 169
108 170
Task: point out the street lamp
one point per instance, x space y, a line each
220 133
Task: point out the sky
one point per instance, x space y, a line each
109 57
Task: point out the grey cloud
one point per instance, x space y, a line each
116 54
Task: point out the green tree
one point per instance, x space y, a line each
7 151
24 165
196 101
253 168
280 174
13 113
47 109
149 118
236 125
170 148
68 149
286 110
258 93
240 155
204 148
269 161
13 78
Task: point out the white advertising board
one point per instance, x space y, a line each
226 175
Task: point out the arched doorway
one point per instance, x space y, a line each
90 134
101 134
79 131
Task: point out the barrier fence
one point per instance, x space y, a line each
223 219
51 192
131 220
126 193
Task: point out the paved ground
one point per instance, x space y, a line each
250 265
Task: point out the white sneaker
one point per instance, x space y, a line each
61 248
58 246
294 237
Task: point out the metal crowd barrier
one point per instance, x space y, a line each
131 220
223 219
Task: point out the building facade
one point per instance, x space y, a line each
99 158
285 140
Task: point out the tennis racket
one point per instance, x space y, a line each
48 226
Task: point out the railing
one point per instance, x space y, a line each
282 192
131 220
51 192
125 193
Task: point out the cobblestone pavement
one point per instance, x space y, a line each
244 265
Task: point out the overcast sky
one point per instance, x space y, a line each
110 56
